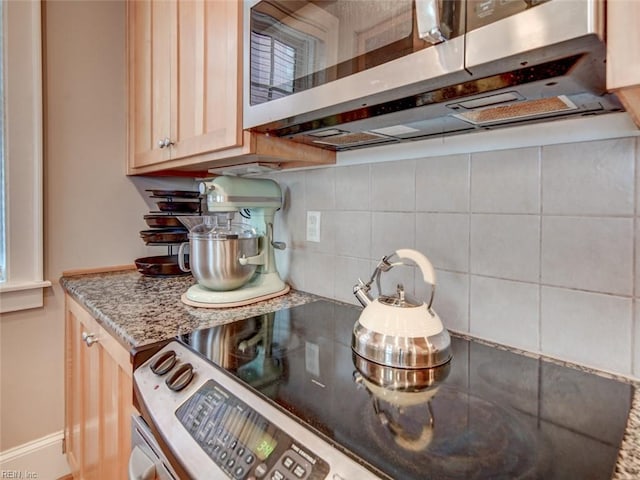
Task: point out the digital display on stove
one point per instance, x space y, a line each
248 432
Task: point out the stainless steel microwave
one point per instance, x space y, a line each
344 74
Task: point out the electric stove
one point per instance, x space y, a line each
283 396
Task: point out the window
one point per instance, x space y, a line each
22 266
3 241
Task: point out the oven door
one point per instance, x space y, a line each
323 57
147 462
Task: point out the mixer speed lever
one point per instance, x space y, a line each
279 245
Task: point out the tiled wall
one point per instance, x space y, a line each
534 247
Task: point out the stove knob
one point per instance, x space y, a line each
164 363
180 378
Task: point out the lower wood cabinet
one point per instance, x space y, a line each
98 398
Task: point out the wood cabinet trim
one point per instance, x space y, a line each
630 99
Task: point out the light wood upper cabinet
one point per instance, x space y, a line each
185 91
98 398
623 54
150 73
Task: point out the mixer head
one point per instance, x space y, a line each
233 194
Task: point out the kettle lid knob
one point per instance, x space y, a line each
400 299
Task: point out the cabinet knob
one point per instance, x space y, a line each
166 142
89 338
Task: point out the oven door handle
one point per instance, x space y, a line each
141 467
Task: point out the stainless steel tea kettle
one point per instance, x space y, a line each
398 331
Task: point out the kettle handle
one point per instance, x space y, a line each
428 272
361 289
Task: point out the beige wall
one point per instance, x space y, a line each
93 212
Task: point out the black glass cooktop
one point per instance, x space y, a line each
490 413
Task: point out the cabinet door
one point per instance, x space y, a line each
184 85
623 54
209 93
98 399
151 51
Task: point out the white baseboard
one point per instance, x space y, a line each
40 459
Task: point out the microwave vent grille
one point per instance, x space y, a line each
525 109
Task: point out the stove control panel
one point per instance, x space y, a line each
242 442
211 423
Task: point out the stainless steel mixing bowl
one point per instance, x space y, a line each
214 257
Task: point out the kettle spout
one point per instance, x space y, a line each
361 291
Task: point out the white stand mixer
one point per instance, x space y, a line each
256 200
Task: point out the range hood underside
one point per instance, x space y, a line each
568 86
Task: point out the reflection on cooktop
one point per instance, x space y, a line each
491 414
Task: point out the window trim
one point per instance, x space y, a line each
22 30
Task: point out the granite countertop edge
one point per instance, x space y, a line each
140 311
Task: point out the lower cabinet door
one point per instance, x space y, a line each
98 398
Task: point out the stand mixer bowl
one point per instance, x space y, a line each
215 253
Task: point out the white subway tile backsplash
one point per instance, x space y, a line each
353 185
590 178
292 265
347 272
587 328
451 300
506 246
588 253
442 184
319 274
505 311
391 231
444 239
393 186
353 234
506 181
320 189
534 248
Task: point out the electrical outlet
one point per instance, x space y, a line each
313 226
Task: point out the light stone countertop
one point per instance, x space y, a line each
139 311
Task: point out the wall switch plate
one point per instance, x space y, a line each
313 226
